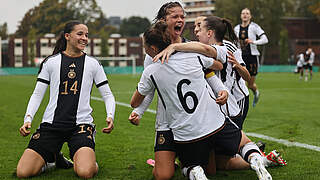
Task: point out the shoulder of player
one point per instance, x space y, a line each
230 46
255 25
151 68
51 58
91 59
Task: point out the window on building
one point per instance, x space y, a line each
134 44
315 43
302 43
18 44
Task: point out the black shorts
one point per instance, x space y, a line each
244 107
48 141
251 64
308 66
164 141
225 141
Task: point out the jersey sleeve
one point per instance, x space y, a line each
147 61
206 61
221 53
44 75
35 101
259 30
238 56
146 86
100 77
108 99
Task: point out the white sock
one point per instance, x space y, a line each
185 171
257 155
248 149
48 166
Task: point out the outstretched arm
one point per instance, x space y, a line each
196 47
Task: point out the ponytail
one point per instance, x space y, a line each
221 26
229 29
61 44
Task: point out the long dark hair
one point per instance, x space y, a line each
163 11
61 43
221 26
157 35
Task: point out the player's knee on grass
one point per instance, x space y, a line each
163 175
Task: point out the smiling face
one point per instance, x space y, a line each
77 39
176 21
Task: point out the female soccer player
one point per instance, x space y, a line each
173 14
196 121
309 60
70 73
211 33
211 30
247 33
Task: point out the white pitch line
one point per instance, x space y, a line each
122 104
281 141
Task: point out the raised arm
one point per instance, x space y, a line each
196 47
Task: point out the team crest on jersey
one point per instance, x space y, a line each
243 34
36 136
161 139
72 74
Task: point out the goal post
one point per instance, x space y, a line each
126 62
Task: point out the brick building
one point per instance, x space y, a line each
117 46
303 33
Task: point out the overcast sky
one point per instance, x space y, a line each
12 11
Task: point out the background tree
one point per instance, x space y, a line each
51 15
268 15
32 37
134 26
315 9
4 31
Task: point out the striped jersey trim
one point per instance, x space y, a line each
43 81
102 83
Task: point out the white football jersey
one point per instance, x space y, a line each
256 34
188 102
301 60
310 57
161 122
238 86
70 81
227 76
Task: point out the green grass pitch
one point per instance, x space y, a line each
288 109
